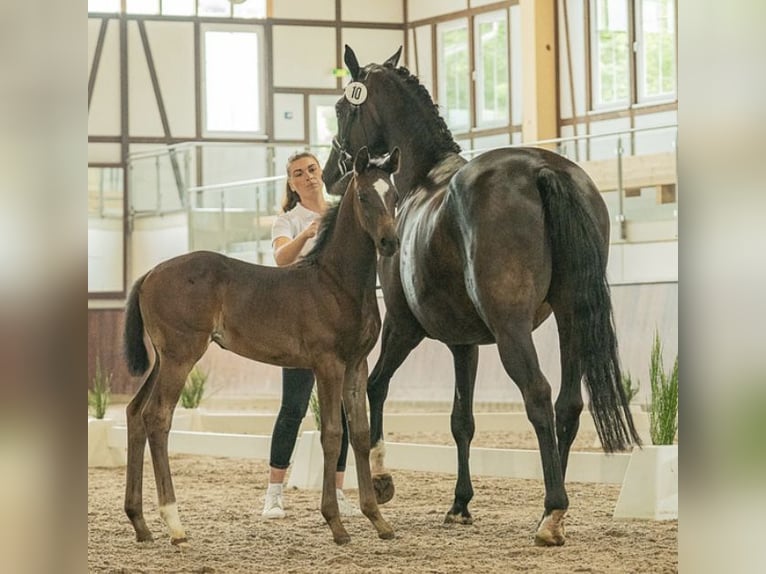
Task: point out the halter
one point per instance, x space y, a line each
356 94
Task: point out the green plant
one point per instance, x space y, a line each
194 388
98 396
663 409
314 407
627 385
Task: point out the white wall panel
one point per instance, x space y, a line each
104 153
104 113
172 45
366 11
305 9
373 45
420 9
304 57
144 116
289 117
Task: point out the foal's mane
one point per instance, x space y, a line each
328 221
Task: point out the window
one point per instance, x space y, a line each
652 35
656 62
233 81
142 6
178 7
454 74
103 5
610 53
492 89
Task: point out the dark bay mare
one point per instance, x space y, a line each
489 249
320 313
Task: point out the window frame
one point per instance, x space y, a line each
635 63
441 67
484 18
260 32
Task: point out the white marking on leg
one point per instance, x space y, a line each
377 457
381 186
169 514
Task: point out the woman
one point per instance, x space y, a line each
292 236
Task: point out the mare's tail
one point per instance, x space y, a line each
579 255
133 340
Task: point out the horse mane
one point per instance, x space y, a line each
328 221
412 83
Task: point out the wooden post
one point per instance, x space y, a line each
538 40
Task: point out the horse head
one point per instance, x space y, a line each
358 121
375 198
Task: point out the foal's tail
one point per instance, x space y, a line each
133 340
579 255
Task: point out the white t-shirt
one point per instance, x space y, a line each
290 224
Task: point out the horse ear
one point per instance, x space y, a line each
362 160
394 60
351 62
392 163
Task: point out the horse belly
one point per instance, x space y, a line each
436 294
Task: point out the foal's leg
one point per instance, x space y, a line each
519 358
329 376
158 415
396 344
134 507
569 403
354 399
466 360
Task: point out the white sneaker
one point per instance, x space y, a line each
345 507
272 506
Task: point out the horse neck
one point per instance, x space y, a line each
418 135
349 256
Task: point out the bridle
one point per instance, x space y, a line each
340 143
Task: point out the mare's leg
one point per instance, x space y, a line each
397 342
329 375
354 399
466 360
158 416
569 403
517 352
134 507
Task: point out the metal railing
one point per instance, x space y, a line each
223 213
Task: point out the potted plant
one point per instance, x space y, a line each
99 392
191 396
650 486
99 451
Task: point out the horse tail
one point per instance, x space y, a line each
133 340
579 258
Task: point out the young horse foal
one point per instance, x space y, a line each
321 313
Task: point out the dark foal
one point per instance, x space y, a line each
321 313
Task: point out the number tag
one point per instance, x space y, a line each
356 93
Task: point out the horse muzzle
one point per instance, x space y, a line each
388 245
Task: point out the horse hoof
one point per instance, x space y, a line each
384 487
551 530
144 537
386 535
458 518
342 539
180 542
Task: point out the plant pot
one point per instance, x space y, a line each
650 487
100 453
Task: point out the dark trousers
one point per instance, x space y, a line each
296 393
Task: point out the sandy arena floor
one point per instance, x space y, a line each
220 502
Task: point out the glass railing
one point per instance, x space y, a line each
232 209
